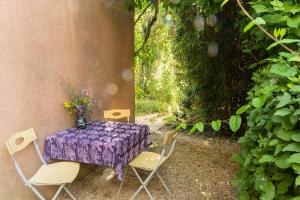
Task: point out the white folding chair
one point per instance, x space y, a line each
117 114
60 173
151 161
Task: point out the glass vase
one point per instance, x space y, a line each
80 121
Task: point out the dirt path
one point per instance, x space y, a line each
200 168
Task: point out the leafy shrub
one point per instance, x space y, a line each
269 158
139 93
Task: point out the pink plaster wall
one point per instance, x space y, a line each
45 45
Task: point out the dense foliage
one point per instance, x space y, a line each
270 157
210 69
156 89
270 148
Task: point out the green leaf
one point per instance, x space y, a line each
275 18
297 112
284 100
258 102
243 109
182 125
260 8
282 187
296 137
249 26
284 135
283 41
286 55
294 119
200 126
294 158
286 182
277 4
296 168
278 149
295 59
281 161
266 159
282 32
193 129
295 88
235 122
294 79
283 112
276 32
216 125
294 147
278 176
297 181
294 22
269 191
224 2
259 21
273 142
283 69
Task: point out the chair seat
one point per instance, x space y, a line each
147 160
55 174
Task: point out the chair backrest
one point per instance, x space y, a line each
20 140
170 139
117 114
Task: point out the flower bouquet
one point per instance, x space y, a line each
81 107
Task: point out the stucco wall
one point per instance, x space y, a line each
46 45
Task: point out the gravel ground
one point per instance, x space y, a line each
200 168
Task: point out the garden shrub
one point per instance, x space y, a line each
270 148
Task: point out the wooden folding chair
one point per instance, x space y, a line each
117 114
151 161
60 173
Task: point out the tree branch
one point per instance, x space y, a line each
142 13
149 26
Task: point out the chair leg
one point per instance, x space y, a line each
58 191
121 184
69 193
143 186
35 191
162 181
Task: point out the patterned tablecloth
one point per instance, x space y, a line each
103 143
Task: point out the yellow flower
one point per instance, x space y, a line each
67 104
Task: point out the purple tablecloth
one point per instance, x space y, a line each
103 143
